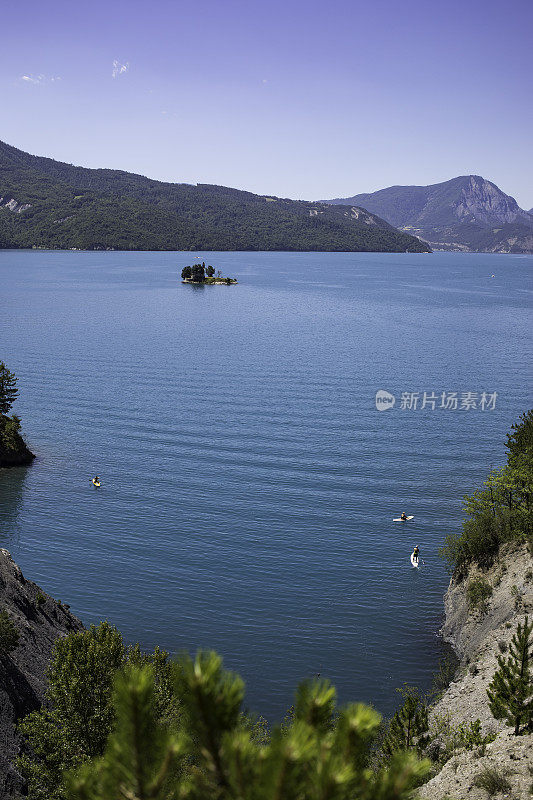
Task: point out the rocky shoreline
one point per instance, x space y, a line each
39 620
478 636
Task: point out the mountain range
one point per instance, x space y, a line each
466 213
50 204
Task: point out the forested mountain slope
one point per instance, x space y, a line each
50 204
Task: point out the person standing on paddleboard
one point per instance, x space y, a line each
416 553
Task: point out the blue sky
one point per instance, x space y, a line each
300 99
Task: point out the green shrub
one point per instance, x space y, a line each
445 673
470 736
493 781
40 599
479 542
478 592
10 432
501 511
452 737
9 636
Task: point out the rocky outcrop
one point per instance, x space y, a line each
13 205
39 620
478 636
15 452
483 202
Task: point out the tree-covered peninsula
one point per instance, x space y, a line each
13 449
200 274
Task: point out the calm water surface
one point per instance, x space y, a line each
249 483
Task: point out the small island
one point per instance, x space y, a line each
199 273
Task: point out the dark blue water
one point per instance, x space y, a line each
249 483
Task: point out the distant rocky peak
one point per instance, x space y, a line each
482 201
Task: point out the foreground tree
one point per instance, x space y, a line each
186 273
511 689
141 756
8 388
322 753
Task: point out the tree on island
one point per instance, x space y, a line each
198 273
8 388
510 692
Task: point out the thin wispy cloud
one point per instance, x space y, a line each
37 79
119 69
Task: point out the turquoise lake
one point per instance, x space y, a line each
248 481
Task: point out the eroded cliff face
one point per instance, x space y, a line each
478 636
485 203
39 620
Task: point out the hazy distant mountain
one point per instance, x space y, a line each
46 203
466 213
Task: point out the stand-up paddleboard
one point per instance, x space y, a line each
415 561
399 519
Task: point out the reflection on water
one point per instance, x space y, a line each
11 492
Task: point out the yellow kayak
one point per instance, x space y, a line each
96 483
